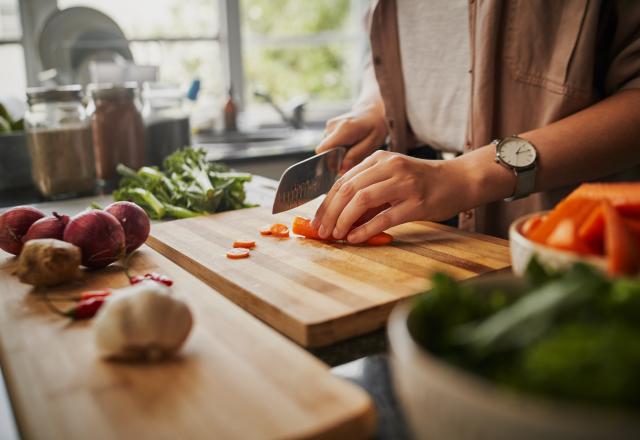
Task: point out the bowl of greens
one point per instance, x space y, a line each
553 355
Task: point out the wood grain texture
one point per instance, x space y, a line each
319 293
235 377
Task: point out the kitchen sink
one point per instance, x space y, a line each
257 144
238 137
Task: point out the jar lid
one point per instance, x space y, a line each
37 95
107 90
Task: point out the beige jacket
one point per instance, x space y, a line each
532 62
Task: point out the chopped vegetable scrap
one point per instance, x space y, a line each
280 230
237 253
596 219
244 243
265 230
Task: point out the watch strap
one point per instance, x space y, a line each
525 183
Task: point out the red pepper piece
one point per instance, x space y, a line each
94 294
85 309
136 279
159 278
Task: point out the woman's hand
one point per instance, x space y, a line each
362 130
399 188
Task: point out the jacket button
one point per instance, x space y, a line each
377 60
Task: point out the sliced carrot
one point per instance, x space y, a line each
531 224
565 237
265 230
623 255
237 253
592 230
624 196
633 225
279 230
244 243
577 209
380 239
302 226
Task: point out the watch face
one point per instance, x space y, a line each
517 153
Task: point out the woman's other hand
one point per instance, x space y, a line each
362 131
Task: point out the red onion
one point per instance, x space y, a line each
47 227
14 223
134 221
99 236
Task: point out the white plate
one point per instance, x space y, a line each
73 36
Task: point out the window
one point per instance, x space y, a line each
287 48
179 36
304 47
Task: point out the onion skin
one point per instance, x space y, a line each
14 224
47 227
134 221
99 236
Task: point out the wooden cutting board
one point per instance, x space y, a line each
235 378
319 293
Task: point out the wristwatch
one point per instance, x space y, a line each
520 156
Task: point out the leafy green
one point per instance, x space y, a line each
570 334
188 186
7 123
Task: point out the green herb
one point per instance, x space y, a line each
572 334
7 123
188 186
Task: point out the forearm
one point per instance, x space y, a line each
595 142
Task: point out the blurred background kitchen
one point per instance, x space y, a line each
90 83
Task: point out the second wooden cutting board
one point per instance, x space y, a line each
319 293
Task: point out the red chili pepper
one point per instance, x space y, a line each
163 279
94 294
87 308
136 279
159 278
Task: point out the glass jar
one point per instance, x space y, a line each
59 141
118 129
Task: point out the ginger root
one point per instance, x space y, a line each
47 262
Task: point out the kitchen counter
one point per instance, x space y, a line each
360 360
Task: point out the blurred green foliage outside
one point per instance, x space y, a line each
321 71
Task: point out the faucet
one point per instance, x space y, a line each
296 107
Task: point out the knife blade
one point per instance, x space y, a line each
306 180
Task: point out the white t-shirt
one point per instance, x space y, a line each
434 48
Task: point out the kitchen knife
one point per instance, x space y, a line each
306 180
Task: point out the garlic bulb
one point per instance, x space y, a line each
142 321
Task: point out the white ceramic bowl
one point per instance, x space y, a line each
522 250
444 402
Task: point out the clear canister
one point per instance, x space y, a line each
59 141
118 129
